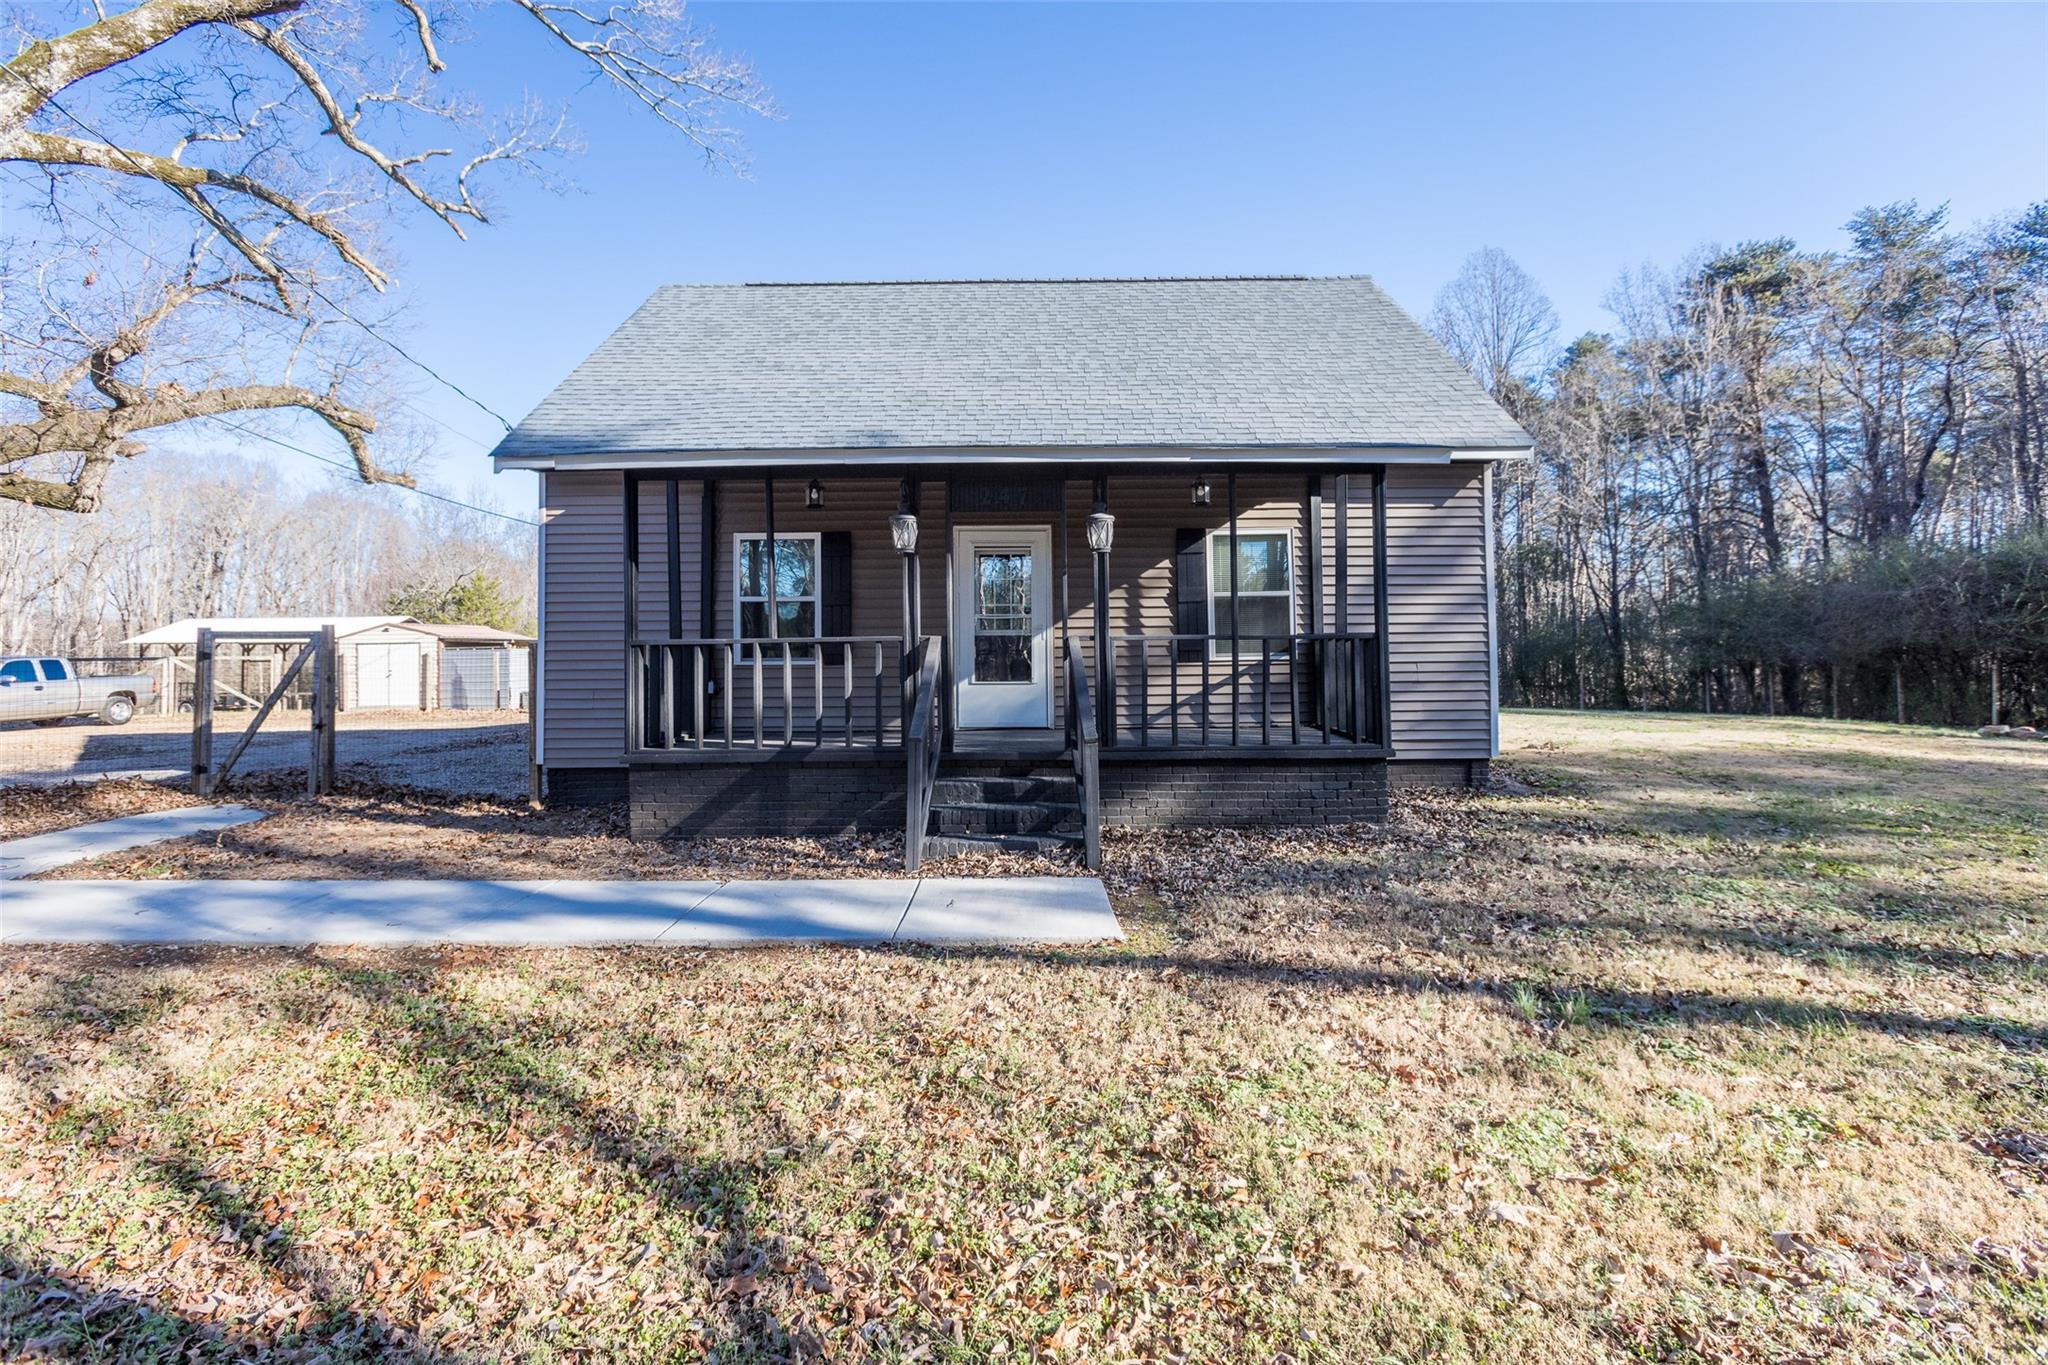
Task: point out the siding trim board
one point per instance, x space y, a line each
1440 635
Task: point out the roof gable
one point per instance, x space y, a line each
1085 364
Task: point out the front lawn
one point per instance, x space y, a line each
1730 1041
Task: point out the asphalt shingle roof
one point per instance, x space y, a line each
1060 363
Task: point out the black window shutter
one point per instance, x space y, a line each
835 583
1190 590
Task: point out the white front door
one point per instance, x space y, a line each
1002 657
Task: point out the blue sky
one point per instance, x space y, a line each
1009 140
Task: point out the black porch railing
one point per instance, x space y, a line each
710 695
1204 691
1084 746
922 745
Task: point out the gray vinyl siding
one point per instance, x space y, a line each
1440 646
583 646
860 508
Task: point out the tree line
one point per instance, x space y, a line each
236 541
1789 481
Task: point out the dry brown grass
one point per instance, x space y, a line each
27 810
1730 1042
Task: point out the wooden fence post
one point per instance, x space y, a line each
330 708
1994 689
322 681
202 714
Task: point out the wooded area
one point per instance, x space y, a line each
1789 482
238 542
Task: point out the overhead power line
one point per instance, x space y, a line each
344 465
104 226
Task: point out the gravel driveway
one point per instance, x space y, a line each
462 753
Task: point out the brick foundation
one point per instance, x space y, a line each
585 786
1424 772
815 798
1242 793
822 798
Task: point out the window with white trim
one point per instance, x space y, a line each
1264 606
796 588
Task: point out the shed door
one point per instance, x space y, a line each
388 675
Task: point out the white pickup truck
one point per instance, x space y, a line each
47 691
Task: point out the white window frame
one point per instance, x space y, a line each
815 597
1219 646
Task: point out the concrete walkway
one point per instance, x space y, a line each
560 913
41 852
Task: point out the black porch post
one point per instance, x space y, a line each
908 496
1105 650
774 606
947 661
1380 590
1315 554
913 586
1230 499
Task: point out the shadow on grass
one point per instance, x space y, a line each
1639 1007
467 1057
49 1312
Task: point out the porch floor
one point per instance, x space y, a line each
1009 743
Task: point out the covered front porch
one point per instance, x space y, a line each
980 647
1175 610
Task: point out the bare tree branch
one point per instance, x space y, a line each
279 157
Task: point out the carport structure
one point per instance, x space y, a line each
386 662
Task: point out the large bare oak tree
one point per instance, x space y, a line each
211 178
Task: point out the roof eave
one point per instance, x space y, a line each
1335 453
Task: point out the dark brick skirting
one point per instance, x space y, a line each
1243 792
1427 772
585 786
813 798
820 798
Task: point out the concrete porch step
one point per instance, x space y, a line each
1052 845
972 790
1007 817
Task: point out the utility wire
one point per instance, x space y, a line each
308 285
287 445
344 465
104 226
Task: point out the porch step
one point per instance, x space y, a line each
947 845
1007 817
961 791
1018 807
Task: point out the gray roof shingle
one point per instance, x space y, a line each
1097 364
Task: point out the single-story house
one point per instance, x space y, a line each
387 662
995 561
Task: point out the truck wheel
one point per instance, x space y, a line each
118 710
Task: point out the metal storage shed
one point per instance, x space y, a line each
482 667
